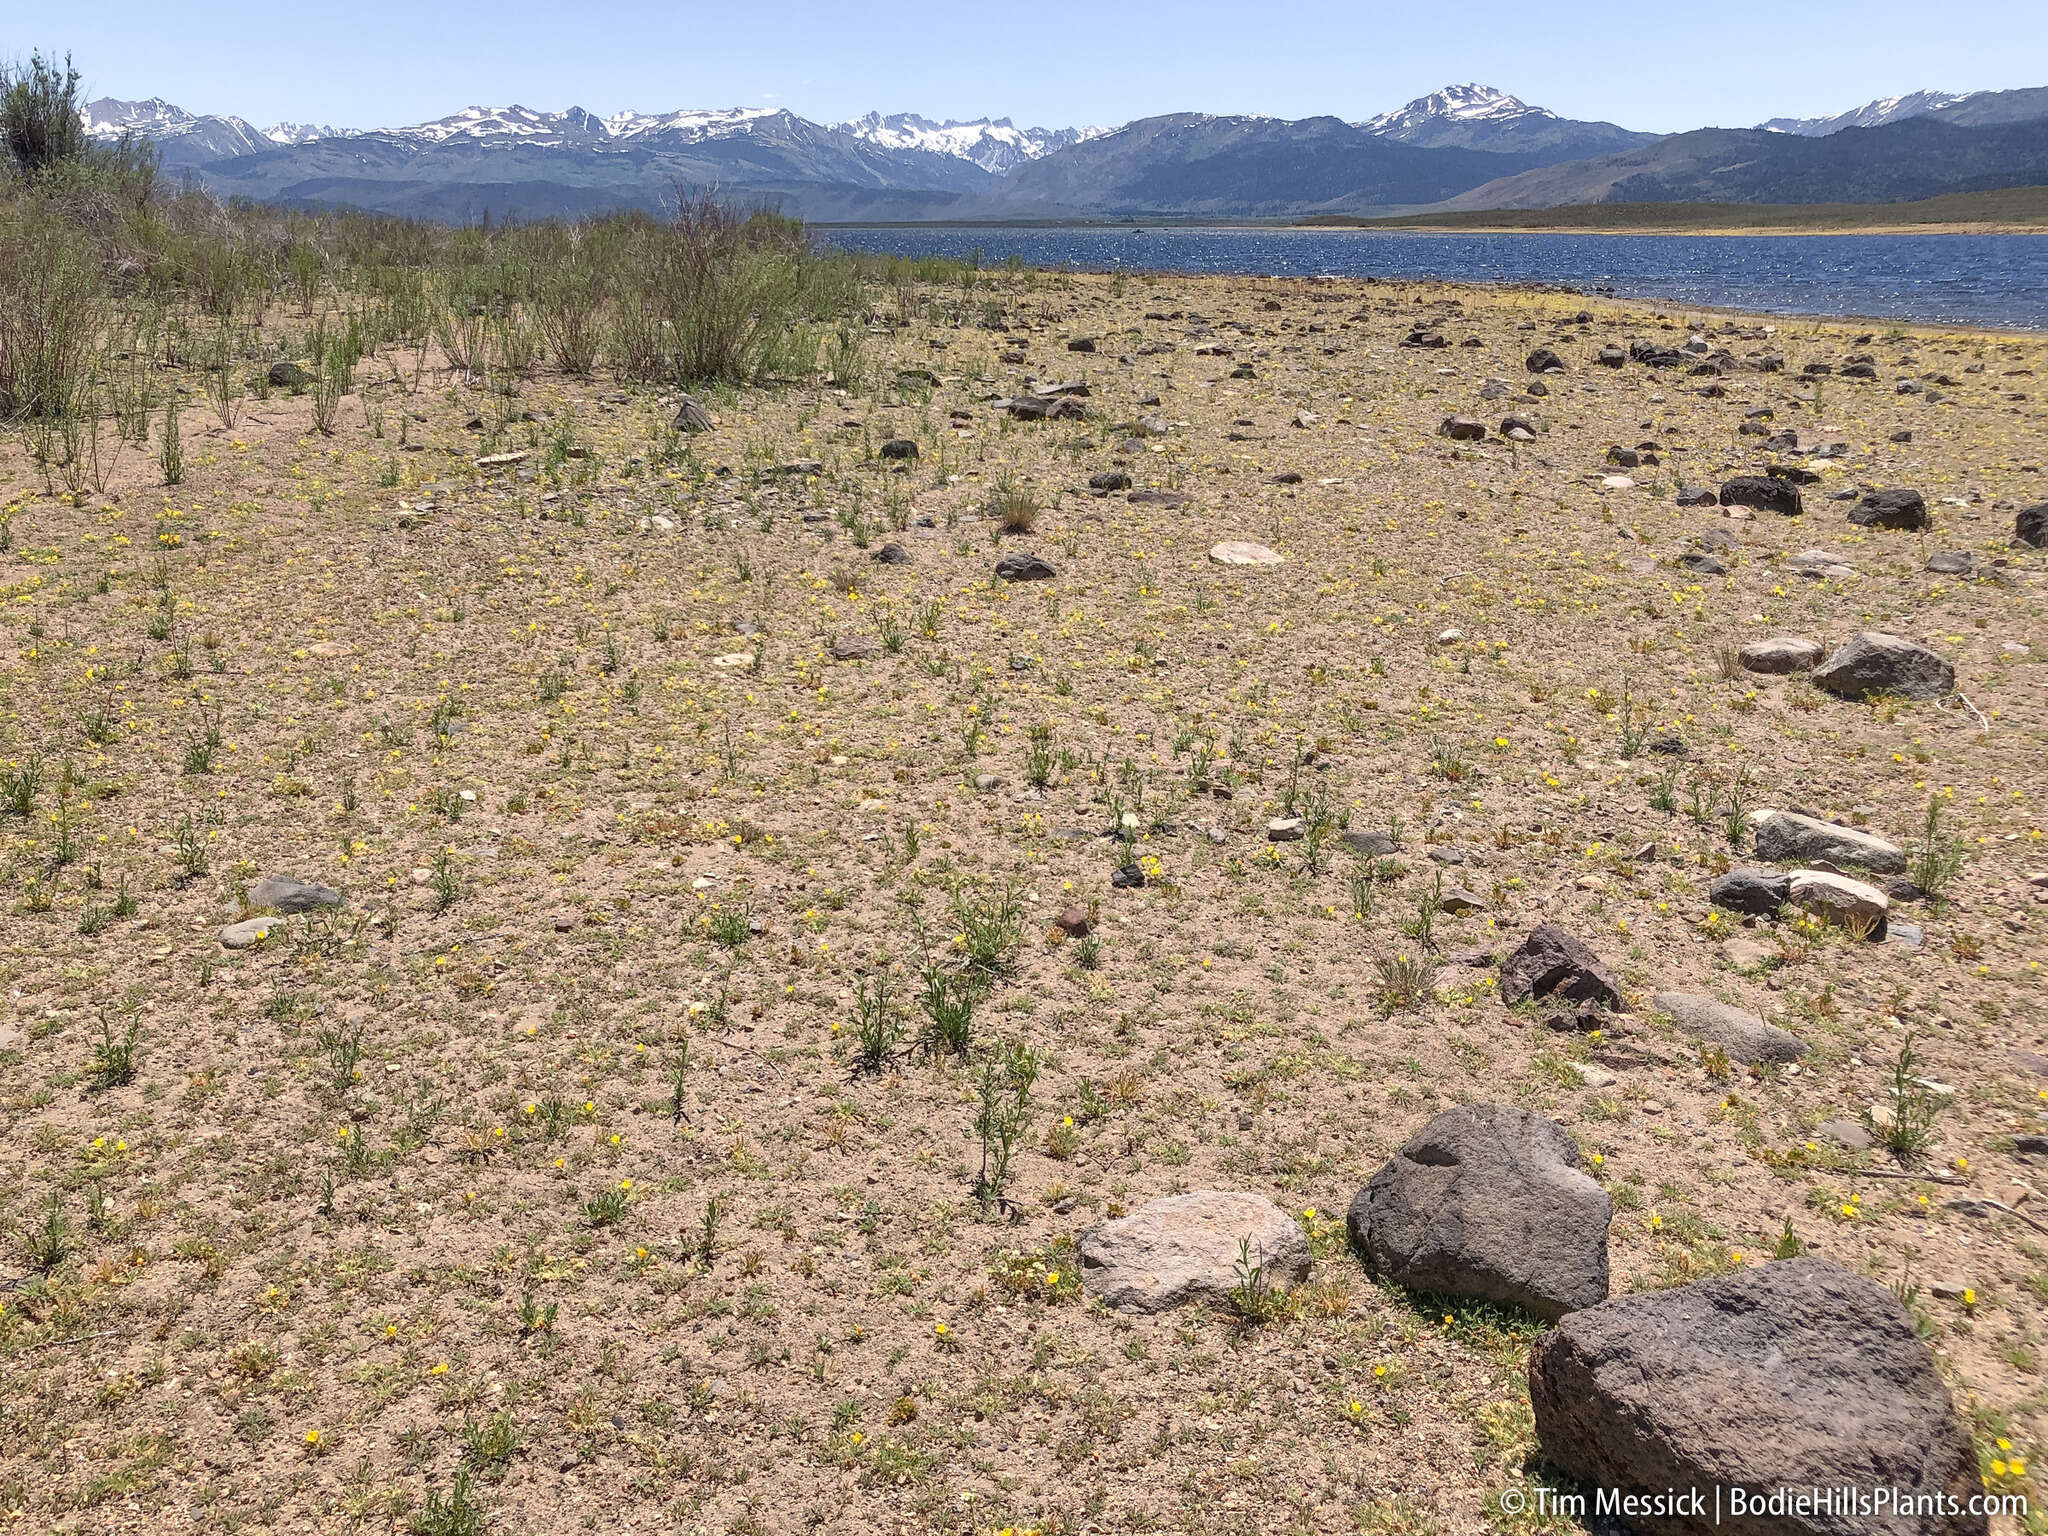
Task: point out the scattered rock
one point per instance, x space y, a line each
1551 963
1544 360
897 448
854 648
2030 525
1491 1202
1786 837
1792 1375
1186 1248
1765 493
1152 498
1698 496
1753 892
1464 429
1241 552
1745 1037
1897 508
1075 921
282 893
1370 845
1286 829
1846 1133
891 553
1780 654
1838 899
1951 563
248 933
1819 565
288 375
1875 662
1108 480
1024 568
691 417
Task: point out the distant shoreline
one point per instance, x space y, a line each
2008 211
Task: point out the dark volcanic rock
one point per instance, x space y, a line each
1024 568
1108 480
891 553
898 448
1551 963
1766 493
1798 1374
1544 360
1491 1202
1753 892
1896 508
2030 525
1464 429
1698 496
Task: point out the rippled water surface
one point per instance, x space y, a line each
1990 280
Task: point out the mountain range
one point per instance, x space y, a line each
1463 147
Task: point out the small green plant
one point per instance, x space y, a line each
1914 1107
446 881
730 924
1446 762
20 783
113 1056
1937 857
170 445
1405 981
488 1444
1041 756
1635 729
707 1232
990 925
1253 1298
1789 1244
877 1027
535 1317
1003 1088
457 1514
948 1002
679 1082
604 1208
190 848
48 1244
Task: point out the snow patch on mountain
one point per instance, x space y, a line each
1458 103
1872 114
995 144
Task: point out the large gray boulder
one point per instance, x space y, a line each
1744 1036
1786 837
1488 1201
1798 1375
1875 662
1186 1248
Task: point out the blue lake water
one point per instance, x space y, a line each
1987 280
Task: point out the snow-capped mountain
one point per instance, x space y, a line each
995 144
1469 103
187 138
1473 116
1970 109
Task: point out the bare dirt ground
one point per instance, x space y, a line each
404 1189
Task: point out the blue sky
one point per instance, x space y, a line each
373 63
